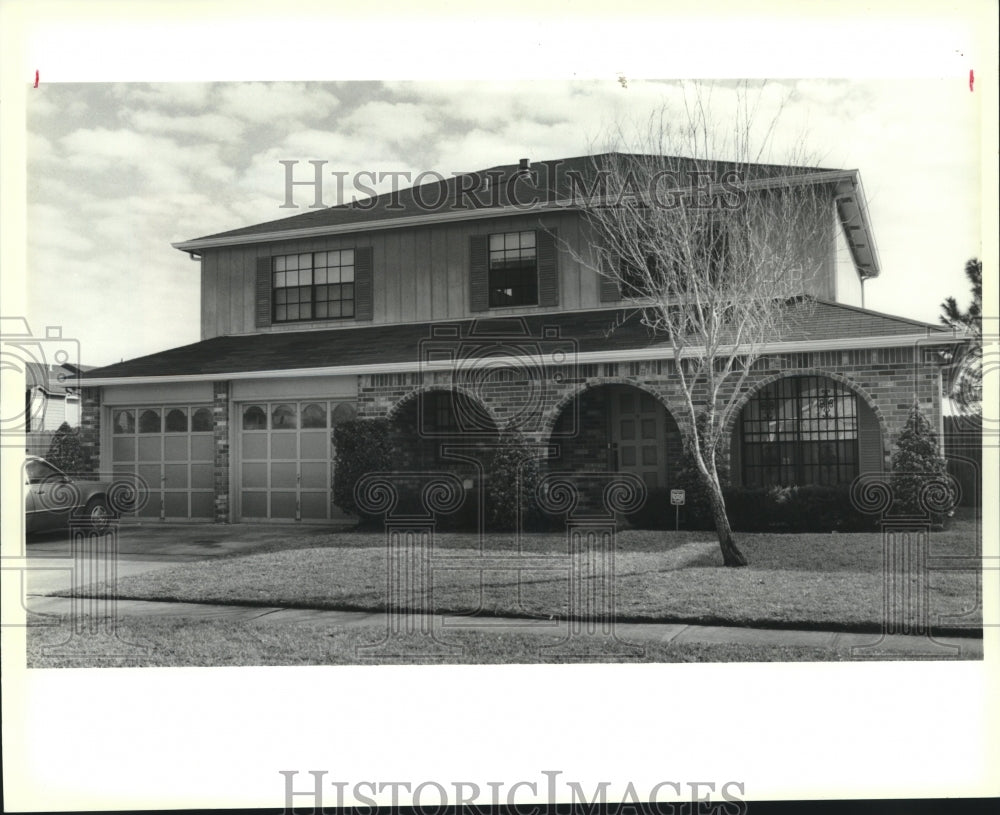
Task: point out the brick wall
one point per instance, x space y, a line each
220 430
886 379
90 429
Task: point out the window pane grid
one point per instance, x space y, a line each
318 285
800 430
513 279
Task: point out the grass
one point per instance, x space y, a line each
168 642
794 580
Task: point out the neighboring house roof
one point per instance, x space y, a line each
591 335
554 183
55 380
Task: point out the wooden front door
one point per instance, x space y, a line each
638 430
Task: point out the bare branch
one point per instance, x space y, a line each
719 251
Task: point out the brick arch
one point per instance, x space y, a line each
416 392
844 380
556 410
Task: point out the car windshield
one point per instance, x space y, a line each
39 471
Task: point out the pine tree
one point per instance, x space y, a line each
66 450
916 461
966 387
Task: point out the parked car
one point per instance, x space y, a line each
52 498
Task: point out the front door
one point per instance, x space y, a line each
638 431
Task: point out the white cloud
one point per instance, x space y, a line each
207 125
274 103
190 96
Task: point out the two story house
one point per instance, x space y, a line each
467 305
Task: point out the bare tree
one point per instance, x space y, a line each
717 249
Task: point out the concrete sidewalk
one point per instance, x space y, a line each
874 645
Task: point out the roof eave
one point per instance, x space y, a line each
852 210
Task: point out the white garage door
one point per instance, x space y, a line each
169 447
286 460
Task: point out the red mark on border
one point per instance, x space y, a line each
972 79
36 79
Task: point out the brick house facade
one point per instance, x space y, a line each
370 311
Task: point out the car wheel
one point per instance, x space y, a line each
96 512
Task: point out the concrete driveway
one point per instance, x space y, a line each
150 547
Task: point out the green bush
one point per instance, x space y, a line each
361 446
811 508
411 503
66 450
514 464
916 461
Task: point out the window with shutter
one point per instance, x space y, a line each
548 268
514 269
479 273
262 313
331 285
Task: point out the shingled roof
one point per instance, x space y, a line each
553 180
607 330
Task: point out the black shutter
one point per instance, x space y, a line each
547 255
364 288
610 288
262 313
479 273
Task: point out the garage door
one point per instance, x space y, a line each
169 447
286 460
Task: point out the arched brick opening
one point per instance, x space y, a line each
615 426
427 421
872 433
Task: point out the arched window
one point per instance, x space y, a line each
254 418
283 417
800 430
176 421
124 421
314 415
201 421
149 421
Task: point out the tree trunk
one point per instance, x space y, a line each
731 555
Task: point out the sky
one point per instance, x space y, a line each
116 172
113 171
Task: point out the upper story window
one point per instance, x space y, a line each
513 271
313 286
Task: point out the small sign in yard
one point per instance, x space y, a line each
677 499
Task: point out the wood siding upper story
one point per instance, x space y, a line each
422 274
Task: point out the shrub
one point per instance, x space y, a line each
656 512
411 503
362 446
696 512
512 473
810 508
916 461
66 449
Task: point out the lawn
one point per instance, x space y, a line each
174 642
794 580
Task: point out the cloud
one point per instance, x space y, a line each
169 96
205 125
123 160
276 103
